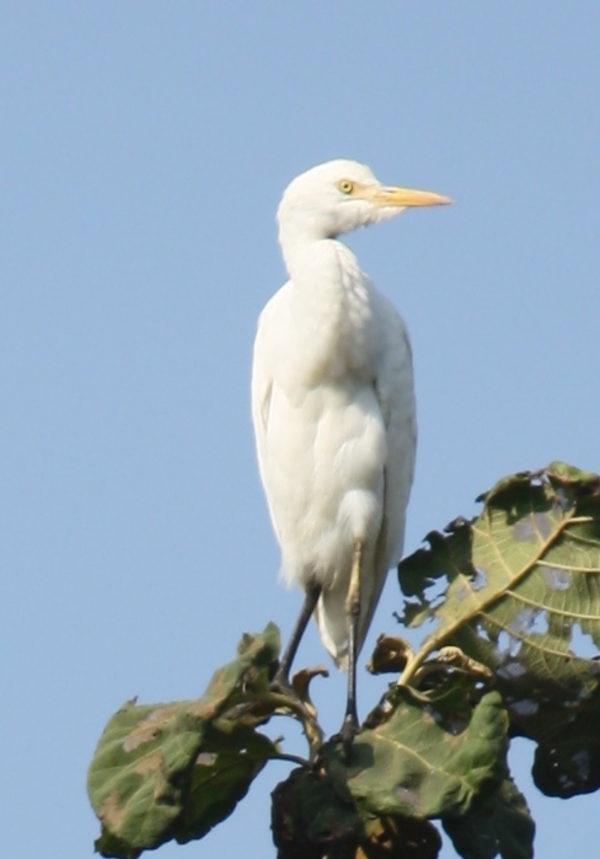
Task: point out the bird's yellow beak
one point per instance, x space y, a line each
404 197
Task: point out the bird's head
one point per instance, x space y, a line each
341 195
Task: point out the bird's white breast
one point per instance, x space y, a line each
325 444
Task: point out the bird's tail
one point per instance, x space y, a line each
332 621
330 615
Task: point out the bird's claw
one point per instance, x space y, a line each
346 735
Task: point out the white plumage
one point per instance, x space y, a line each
333 401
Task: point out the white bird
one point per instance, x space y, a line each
333 408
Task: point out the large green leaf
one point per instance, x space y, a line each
423 761
518 589
172 771
415 761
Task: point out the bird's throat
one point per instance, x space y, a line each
331 308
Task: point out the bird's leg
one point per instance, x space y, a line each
350 723
281 679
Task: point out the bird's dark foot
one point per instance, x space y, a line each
348 731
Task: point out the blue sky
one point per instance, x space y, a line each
144 149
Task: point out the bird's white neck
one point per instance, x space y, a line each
330 304
315 261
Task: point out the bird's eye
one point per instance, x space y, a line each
345 186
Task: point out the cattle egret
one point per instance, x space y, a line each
333 408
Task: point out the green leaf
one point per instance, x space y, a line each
416 758
518 589
496 825
172 771
423 761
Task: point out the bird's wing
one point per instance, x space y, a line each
266 349
394 387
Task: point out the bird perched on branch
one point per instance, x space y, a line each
333 408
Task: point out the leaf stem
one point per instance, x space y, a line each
294 759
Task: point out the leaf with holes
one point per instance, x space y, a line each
518 589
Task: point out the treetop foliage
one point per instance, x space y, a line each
511 600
